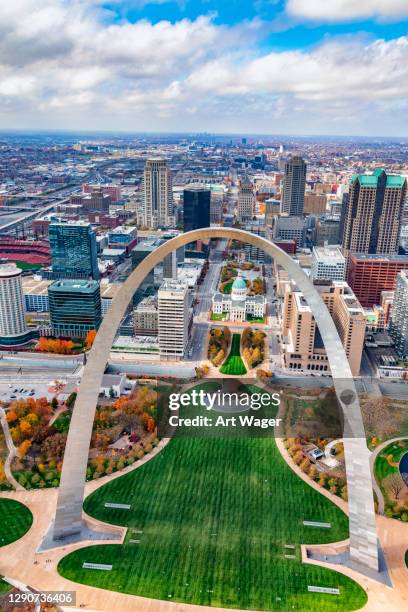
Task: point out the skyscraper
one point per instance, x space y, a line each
196 208
372 215
73 250
294 182
246 201
399 315
158 193
75 307
13 329
173 319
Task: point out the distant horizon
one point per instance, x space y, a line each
196 133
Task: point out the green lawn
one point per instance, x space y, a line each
5 587
254 319
215 516
226 288
381 467
234 365
16 520
62 423
218 317
25 265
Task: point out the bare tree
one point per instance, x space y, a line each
393 484
404 477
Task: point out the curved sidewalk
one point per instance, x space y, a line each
12 452
391 534
376 486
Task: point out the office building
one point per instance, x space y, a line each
170 266
272 209
146 317
196 208
372 213
73 250
13 328
327 230
246 201
114 191
108 293
75 307
173 320
369 275
290 228
35 294
399 315
122 237
97 201
328 263
158 193
302 342
315 204
294 182
253 253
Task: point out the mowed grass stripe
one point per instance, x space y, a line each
234 365
240 489
16 520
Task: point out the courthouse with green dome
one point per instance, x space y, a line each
238 305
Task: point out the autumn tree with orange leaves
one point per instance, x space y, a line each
90 337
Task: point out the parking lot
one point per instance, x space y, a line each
12 391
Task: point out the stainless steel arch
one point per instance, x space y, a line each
68 518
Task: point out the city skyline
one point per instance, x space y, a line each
262 67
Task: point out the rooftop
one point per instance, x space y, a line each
9 270
371 180
74 285
378 257
173 285
329 252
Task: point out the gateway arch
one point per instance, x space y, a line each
362 527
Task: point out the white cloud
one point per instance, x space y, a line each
346 10
345 69
69 63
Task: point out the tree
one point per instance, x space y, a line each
54 403
378 419
23 448
54 345
53 447
393 484
90 337
71 399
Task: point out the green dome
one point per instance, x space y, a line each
239 283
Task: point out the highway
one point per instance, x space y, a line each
58 196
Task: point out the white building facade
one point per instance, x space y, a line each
173 319
12 306
328 263
239 304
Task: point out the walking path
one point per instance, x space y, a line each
376 486
12 452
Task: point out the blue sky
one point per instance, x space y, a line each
269 66
285 32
